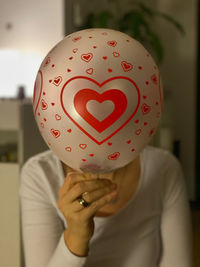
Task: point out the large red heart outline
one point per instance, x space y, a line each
102 97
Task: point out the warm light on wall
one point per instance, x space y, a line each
18 68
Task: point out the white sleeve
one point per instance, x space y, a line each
42 229
176 227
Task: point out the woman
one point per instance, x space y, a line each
137 215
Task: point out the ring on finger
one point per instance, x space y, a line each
82 201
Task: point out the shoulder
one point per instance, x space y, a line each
167 173
42 171
160 159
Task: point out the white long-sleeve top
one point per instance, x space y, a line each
153 229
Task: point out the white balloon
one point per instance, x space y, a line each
98 99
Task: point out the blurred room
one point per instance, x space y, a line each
29 29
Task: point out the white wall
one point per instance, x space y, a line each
179 77
28 30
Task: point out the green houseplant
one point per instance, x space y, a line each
138 21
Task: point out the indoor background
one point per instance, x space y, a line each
29 29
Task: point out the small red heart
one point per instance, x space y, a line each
151 132
45 119
112 43
109 70
76 39
109 143
126 66
145 123
56 133
82 146
114 156
75 50
68 70
84 160
154 79
89 71
68 148
50 81
47 61
145 108
44 104
70 58
52 104
87 57
91 155
57 80
69 130
116 54
147 82
133 149
105 57
94 47
128 142
58 117
42 124
136 121
138 131
144 96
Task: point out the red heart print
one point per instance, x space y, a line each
116 54
87 57
138 131
58 117
114 156
114 95
69 130
128 142
44 104
112 43
57 80
55 133
48 60
68 148
75 50
104 57
91 155
126 66
42 124
82 146
75 39
89 71
152 132
154 79
145 108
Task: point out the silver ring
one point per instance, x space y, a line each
83 202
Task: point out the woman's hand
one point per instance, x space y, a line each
98 193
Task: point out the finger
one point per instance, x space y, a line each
86 186
97 194
69 181
90 211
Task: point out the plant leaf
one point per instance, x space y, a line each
156 45
172 20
